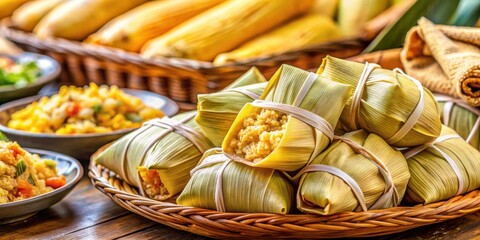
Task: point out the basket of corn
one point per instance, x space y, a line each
180 48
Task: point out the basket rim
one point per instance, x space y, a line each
118 55
212 223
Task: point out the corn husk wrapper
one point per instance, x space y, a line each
461 117
223 28
317 100
217 111
227 186
324 192
171 151
305 31
446 168
7 7
389 104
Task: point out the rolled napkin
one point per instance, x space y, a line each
227 186
442 169
358 172
445 59
291 123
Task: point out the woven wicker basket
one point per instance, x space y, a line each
260 225
179 79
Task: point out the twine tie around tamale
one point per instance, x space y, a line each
358 94
447 112
357 98
451 162
294 110
390 192
200 142
245 92
220 158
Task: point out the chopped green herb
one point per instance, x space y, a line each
30 180
21 167
133 117
20 75
3 137
97 108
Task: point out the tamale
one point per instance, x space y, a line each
447 167
217 111
227 186
359 171
163 150
7 7
157 158
223 27
292 122
305 31
461 117
388 103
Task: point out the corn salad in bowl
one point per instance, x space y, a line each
77 121
75 110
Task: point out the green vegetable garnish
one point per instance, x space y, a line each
21 167
133 117
3 137
30 180
97 108
19 75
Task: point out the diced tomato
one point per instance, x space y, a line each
24 188
56 182
153 178
73 109
14 152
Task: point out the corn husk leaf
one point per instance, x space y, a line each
7 7
387 102
324 193
170 153
467 13
461 118
393 36
300 141
305 31
223 28
245 189
433 178
325 7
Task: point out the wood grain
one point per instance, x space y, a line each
88 214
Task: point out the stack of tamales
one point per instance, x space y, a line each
293 121
158 157
278 138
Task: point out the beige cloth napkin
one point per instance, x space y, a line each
446 59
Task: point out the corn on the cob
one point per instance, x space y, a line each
76 19
325 7
8 6
354 14
305 31
132 29
28 15
223 28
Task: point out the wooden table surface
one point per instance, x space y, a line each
88 214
